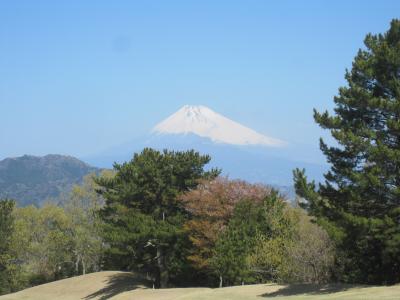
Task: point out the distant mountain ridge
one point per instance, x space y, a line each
36 179
241 152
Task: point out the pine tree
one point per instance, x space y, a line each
359 203
143 218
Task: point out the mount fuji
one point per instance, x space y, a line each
204 122
239 151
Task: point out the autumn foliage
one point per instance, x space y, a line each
211 206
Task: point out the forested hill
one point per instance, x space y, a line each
33 179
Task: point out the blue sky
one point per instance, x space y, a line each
78 77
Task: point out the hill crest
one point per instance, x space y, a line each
33 179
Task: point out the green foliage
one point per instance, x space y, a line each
359 202
82 207
310 254
211 207
229 261
42 242
143 218
252 247
290 248
268 257
6 232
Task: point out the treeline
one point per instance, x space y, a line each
163 215
168 217
43 244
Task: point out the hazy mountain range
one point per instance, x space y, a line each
239 151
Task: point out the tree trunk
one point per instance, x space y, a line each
315 276
77 265
162 269
83 266
220 281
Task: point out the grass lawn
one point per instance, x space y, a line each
124 286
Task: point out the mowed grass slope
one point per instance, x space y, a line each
124 286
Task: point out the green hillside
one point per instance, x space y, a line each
34 179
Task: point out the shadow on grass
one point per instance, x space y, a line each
117 284
309 289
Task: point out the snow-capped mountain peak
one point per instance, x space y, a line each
204 122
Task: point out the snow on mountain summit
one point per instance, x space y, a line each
204 122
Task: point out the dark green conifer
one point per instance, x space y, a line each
143 218
359 203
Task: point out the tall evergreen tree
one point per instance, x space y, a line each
144 220
359 203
